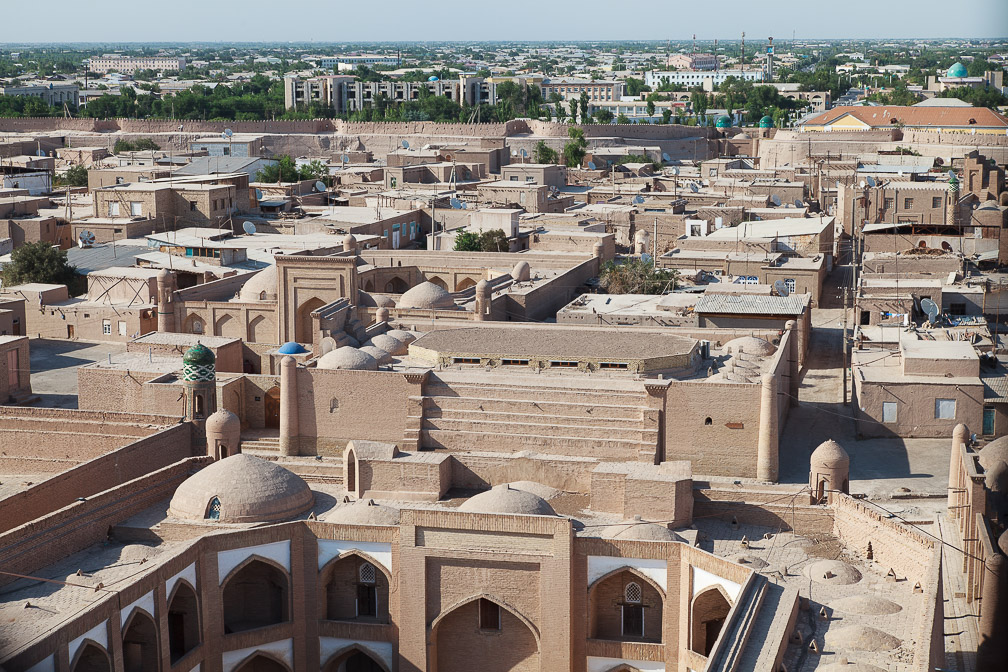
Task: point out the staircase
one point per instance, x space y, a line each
266 447
560 416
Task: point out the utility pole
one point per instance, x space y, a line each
844 346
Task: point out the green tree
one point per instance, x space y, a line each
574 151
634 276
283 170
466 241
603 116
584 107
574 111
635 87
666 115
315 170
543 153
650 108
493 241
38 262
75 176
622 119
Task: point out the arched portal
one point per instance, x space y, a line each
354 589
256 595
183 621
140 645
505 640
91 658
625 606
304 329
260 662
464 284
707 616
257 330
396 286
271 407
435 280
354 660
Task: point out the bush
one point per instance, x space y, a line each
38 262
466 241
141 145
75 176
634 276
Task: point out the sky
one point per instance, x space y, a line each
119 21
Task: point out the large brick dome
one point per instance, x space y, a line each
241 489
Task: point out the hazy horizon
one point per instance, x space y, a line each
261 21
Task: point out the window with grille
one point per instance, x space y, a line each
213 511
633 611
888 203
367 592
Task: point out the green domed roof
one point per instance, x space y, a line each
957 70
766 122
724 121
199 354
953 183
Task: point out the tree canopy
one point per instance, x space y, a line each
38 262
633 276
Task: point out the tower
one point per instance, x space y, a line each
769 60
952 210
165 306
199 380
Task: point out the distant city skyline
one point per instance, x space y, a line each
119 21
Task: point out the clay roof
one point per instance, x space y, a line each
639 530
507 499
263 281
222 421
363 512
249 489
347 358
885 116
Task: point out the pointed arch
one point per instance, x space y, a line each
509 641
708 612
396 285
262 661
183 620
464 284
141 651
194 324
437 280
91 657
623 667
492 598
343 655
257 331
304 328
633 570
255 594
226 326
344 596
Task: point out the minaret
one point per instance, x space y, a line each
289 432
165 305
199 380
952 210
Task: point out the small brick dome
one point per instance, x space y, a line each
507 499
427 296
347 358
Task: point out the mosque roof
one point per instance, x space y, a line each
200 355
426 296
508 499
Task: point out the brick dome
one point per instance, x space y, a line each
261 287
507 499
994 452
347 358
363 512
750 345
427 296
389 344
241 489
830 455
640 530
223 421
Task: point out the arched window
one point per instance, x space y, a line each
633 611
199 406
140 647
92 658
353 588
257 595
367 593
710 609
213 510
708 422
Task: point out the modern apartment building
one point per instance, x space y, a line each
569 89
53 93
127 65
705 78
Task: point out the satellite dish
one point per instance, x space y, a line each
228 132
345 159
455 203
638 199
524 153
41 153
951 173
405 144
775 199
249 228
320 186
862 184
931 309
798 203
259 194
514 152
665 157
871 181
781 288
432 78
675 170
85 239
591 165
464 206
693 187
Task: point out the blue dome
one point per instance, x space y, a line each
291 348
724 121
766 122
957 70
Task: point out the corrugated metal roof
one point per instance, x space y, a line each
749 304
995 388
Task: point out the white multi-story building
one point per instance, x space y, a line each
130 64
53 93
701 78
333 62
